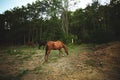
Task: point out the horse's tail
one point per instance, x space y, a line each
46 54
46 49
65 48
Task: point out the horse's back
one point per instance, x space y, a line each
50 42
54 44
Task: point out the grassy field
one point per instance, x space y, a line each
84 62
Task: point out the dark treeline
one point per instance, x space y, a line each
51 20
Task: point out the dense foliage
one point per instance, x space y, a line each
51 20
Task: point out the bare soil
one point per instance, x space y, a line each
84 63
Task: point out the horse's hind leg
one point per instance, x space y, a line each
47 55
46 58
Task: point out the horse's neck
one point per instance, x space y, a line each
64 47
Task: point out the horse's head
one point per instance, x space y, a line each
66 50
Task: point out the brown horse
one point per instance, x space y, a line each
30 44
54 45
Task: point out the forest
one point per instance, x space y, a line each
91 37
51 20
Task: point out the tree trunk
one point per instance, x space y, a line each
65 22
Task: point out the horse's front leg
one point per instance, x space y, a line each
60 51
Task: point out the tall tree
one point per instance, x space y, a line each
65 22
115 17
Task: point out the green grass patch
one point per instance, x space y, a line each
13 51
20 74
38 69
14 77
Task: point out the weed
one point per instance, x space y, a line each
13 51
93 63
14 77
38 69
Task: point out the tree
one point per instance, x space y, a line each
115 17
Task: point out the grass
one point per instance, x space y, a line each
20 74
80 64
13 51
19 50
23 53
17 76
72 49
38 69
